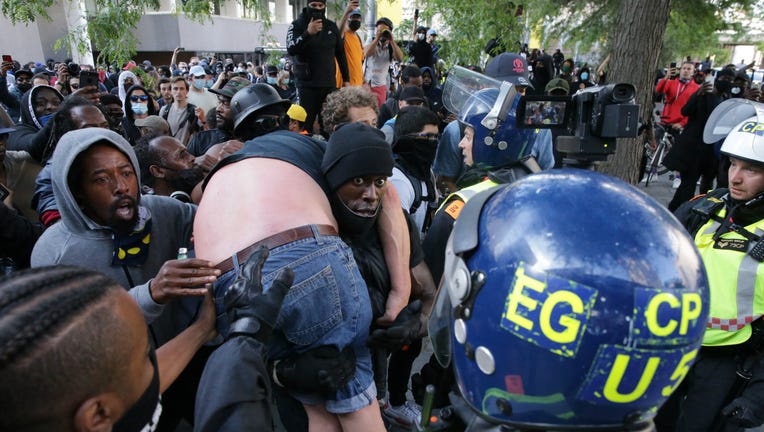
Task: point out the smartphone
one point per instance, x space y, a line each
4 192
7 58
88 78
672 65
317 15
710 78
416 13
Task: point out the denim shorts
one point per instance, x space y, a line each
328 304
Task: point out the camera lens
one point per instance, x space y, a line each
623 93
74 69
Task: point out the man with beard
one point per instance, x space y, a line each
202 141
415 143
167 168
108 226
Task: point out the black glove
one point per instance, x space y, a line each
321 370
403 331
744 412
250 312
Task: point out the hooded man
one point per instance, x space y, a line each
126 80
315 43
108 226
38 106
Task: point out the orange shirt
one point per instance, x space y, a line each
354 55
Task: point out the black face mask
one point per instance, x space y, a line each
351 222
723 86
417 154
354 25
23 88
144 415
316 14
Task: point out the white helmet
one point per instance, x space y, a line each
746 140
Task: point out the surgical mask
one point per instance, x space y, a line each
565 68
139 108
272 80
44 119
144 414
736 92
354 25
209 83
420 36
287 81
200 83
584 76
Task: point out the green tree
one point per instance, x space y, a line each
111 23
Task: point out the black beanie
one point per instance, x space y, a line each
356 150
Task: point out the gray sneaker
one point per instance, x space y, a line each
406 415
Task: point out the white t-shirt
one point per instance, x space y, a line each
377 66
204 100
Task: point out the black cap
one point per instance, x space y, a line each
509 67
356 150
412 93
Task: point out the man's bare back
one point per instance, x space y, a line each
230 218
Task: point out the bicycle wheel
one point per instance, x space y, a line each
652 167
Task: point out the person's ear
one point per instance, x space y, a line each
98 414
156 171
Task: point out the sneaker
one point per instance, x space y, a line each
406 415
677 182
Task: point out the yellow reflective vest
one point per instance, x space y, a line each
736 282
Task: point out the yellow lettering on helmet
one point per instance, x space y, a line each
682 368
691 309
517 298
621 363
651 314
571 324
758 128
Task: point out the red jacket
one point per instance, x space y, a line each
677 94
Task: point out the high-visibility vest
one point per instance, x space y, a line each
736 282
468 192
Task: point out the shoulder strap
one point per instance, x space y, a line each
415 184
165 111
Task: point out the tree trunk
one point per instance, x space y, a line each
636 46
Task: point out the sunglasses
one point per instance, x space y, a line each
73 85
142 98
267 123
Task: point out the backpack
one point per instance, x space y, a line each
164 112
431 198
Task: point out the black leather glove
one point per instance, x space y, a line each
250 312
403 331
744 412
321 370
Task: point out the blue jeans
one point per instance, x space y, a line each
328 304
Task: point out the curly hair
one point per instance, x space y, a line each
337 104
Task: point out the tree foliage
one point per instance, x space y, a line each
112 23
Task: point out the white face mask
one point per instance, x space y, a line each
420 36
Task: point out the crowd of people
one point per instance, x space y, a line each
281 230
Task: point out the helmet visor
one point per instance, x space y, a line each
439 326
463 83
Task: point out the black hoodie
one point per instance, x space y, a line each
30 135
314 55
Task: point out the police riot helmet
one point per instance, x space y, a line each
498 142
587 318
256 97
746 141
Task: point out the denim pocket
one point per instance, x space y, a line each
311 308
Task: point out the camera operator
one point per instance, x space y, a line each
379 54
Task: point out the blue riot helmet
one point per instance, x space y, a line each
569 300
497 141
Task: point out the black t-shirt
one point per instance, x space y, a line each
370 258
299 150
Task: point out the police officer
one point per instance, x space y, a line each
581 319
724 390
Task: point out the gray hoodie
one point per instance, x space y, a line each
78 240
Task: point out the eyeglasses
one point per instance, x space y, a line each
267 123
142 98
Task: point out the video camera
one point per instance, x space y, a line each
592 119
